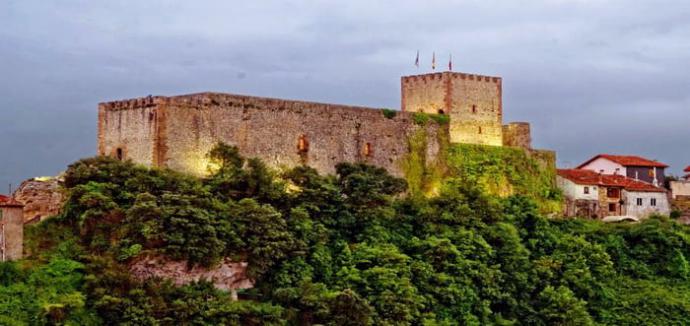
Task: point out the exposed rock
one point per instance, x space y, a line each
42 197
227 275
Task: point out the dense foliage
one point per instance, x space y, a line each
347 249
505 171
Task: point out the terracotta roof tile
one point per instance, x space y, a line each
9 201
587 177
627 160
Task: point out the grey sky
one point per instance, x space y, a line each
591 76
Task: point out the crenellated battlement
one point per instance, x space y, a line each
135 103
449 74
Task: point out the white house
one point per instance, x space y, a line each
634 167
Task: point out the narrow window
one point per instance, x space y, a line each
653 202
639 201
440 111
586 190
367 150
303 144
118 154
151 116
474 108
480 130
612 207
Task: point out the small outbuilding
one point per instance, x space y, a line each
11 228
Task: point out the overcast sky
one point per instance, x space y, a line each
591 76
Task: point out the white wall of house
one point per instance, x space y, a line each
642 211
608 166
575 191
680 188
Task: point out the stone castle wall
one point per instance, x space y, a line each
473 103
517 134
177 132
130 129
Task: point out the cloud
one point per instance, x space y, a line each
592 76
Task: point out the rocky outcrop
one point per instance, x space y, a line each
228 275
42 197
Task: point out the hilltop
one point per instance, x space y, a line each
353 248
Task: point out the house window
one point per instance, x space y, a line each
653 202
613 193
303 144
118 154
586 190
650 173
612 207
474 108
367 150
639 201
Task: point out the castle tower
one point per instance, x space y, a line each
473 103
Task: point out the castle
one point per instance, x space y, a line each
178 131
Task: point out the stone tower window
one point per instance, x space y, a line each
440 111
118 154
480 130
474 108
303 144
367 150
151 116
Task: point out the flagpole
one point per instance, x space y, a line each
416 60
433 61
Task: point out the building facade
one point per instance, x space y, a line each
177 132
634 167
596 195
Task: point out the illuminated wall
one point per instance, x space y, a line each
183 130
473 103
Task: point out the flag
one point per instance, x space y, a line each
416 60
450 63
433 61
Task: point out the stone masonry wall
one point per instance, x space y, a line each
177 132
426 93
517 134
131 127
477 110
473 102
12 227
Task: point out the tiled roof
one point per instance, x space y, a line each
8 201
687 169
627 160
587 177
